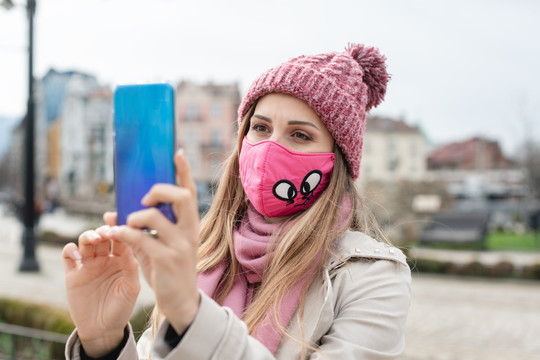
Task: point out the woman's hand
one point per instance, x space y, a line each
168 262
102 285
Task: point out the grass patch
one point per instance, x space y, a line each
496 240
513 241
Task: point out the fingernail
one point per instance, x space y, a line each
114 230
180 152
144 199
77 255
94 235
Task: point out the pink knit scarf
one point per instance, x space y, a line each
251 242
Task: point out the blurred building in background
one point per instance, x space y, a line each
74 140
11 165
472 154
393 151
100 155
477 168
480 177
74 155
206 127
66 108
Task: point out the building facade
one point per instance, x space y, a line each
480 177
206 127
476 153
393 151
74 138
476 168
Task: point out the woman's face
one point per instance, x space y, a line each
290 122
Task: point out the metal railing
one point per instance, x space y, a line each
16 331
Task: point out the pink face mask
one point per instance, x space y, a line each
279 181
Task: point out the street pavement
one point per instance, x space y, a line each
47 285
450 317
472 318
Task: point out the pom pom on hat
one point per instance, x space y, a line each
375 75
340 86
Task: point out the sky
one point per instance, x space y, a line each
459 68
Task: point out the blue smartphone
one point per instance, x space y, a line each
144 144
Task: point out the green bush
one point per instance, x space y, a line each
503 269
44 317
429 265
51 319
36 316
473 268
532 272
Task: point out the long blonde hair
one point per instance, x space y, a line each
309 238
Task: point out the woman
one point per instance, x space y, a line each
281 266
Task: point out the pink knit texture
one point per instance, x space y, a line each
340 86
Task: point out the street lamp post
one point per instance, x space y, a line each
29 261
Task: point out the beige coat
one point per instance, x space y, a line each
356 310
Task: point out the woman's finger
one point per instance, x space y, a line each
162 194
87 243
102 245
70 256
116 247
141 245
184 204
183 173
189 210
110 218
186 211
103 248
152 219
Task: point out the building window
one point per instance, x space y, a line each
192 112
192 138
391 145
216 138
393 164
216 110
391 154
414 147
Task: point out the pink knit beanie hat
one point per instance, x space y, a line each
340 86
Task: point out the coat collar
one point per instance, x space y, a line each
354 244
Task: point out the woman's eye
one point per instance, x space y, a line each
259 128
302 136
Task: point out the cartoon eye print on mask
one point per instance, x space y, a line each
286 191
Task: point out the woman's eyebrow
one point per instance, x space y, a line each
300 122
262 117
291 122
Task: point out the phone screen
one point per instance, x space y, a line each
144 144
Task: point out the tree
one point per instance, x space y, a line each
531 162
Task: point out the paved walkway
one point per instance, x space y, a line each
473 319
47 285
518 258
450 318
